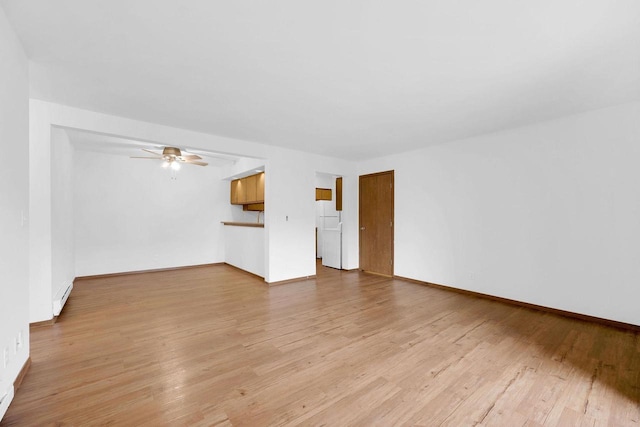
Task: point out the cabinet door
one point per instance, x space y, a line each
323 194
260 188
251 188
235 190
242 191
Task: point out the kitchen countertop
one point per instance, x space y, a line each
244 224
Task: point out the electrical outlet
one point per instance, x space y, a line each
19 341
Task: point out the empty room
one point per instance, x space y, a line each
320 213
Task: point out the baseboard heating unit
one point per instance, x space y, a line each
61 298
6 396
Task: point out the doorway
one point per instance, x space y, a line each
376 215
328 220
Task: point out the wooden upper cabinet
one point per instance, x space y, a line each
260 187
339 194
242 191
323 194
252 189
235 192
248 190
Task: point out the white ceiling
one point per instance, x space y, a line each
352 79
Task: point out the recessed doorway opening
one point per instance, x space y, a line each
329 220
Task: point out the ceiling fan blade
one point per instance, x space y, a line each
152 152
193 162
191 157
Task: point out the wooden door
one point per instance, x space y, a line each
376 223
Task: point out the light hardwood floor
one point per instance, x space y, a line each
216 346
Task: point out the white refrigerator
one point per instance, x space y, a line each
332 243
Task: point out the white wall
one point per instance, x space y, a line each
40 233
244 248
547 214
62 213
130 214
290 215
14 203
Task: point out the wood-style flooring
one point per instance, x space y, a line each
216 346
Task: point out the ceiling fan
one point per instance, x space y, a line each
172 157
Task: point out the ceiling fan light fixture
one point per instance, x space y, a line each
171 157
171 152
